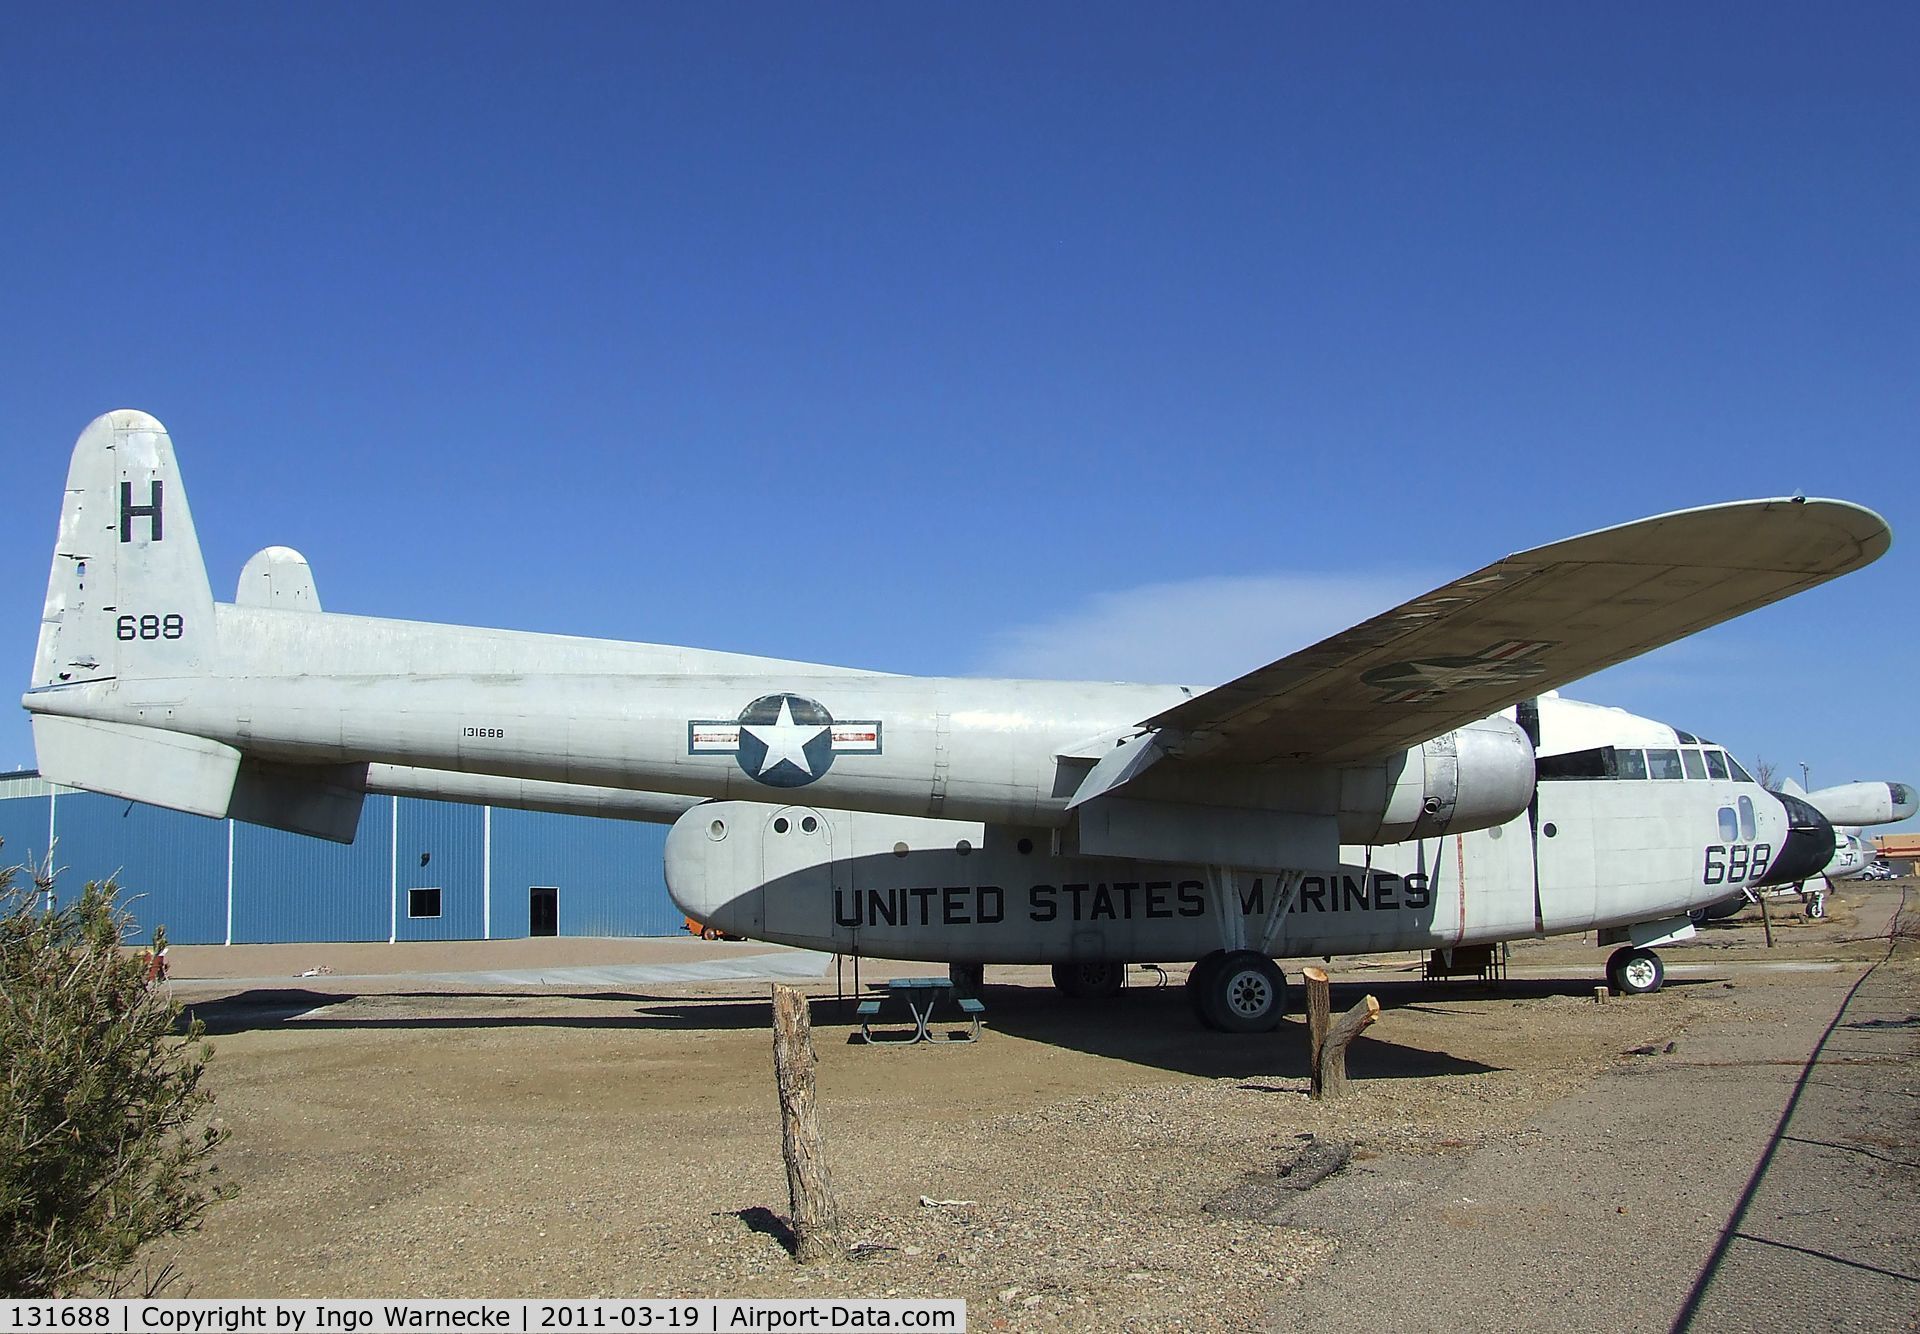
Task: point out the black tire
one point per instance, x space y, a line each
1816 906
1719 912
1099 979
1635 972
1199 978
1244 993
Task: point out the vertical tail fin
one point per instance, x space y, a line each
127 596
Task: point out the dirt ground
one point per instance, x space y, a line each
399 1139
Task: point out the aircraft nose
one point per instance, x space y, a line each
1807 848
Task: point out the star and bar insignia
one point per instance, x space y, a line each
783 740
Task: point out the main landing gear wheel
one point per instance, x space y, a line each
1635 972
1097 980
1243 992
1200 981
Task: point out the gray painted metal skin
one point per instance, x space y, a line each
216 881
1592 853
1389 733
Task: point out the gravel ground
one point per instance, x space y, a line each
399 1140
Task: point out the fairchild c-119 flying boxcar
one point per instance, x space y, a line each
1411 782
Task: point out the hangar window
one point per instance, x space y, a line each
423 903
1696 767
1716 764
1630 764
1729 827
1664 764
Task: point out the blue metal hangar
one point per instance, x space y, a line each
419 870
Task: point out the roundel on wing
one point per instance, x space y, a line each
785 740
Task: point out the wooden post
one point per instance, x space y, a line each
1319 1015
1766 918
1329 1078
814 1218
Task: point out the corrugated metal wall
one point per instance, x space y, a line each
607 872
290 887
172 868
285 887
23 820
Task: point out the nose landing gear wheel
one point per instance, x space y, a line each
1635 972
1243 992
1096 980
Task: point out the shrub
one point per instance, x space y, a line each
104 1138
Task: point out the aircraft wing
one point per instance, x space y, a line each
1521 626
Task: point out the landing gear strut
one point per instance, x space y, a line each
1095 980
1635 972
1238 991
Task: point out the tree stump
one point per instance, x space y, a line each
1329 1036
813 1216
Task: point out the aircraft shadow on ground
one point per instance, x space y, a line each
300 1008
1144 1025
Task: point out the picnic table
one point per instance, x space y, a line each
920 997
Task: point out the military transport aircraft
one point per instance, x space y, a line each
1408 783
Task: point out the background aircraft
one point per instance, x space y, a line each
1192 821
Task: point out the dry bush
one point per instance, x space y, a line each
104 1139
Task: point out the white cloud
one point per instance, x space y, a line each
1194 631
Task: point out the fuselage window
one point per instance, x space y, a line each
1696 767
1630 764
1738 772
1664 764
1746 818
1729 826
1596 763
1716 764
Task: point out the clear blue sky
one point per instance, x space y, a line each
1115 341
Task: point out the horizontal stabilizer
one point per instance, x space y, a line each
323 801
201 777
183 773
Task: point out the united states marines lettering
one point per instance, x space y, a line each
1116 901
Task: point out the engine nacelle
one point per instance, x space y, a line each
1475 778
1855 804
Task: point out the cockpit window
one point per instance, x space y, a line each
1729 827
1738 772
1664 764
1686 738
1597 763
1630 764
1716 764
1746 818
1695 766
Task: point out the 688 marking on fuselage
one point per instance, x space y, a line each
1735 863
